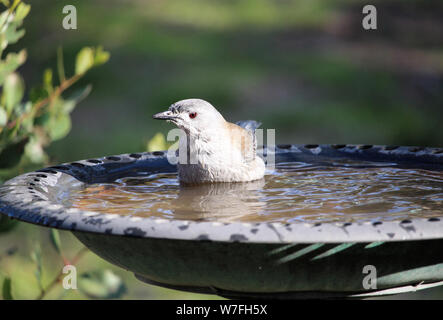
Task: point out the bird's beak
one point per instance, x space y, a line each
166 115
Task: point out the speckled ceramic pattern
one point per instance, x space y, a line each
30 197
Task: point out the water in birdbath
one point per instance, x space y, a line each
338 191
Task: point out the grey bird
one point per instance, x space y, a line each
219 151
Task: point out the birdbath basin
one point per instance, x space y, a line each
243 259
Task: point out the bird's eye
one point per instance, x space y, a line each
192 115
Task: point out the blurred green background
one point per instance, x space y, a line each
306 68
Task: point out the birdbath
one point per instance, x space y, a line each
243 259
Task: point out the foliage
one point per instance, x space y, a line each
28 127
96 284
158 143
6 290
101 284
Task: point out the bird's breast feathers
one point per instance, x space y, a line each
227 155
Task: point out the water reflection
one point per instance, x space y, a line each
220 201
294 192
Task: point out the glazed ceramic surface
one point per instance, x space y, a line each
242 259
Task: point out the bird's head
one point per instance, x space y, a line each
192 115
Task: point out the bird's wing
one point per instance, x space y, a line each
244 134
251 126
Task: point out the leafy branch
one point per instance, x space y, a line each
101 283
26 128
59 277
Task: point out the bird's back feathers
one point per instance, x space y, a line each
251 126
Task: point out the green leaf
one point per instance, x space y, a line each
84 60
7 289
3 117
157 143
27 123
14 4
79 94
67 106
36 256
11 63
101 284
101 56
37 94
54 236
11 35
5 3
47 81
58 126
22 11
43 119
34 151
13 91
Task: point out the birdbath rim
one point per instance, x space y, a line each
29 197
